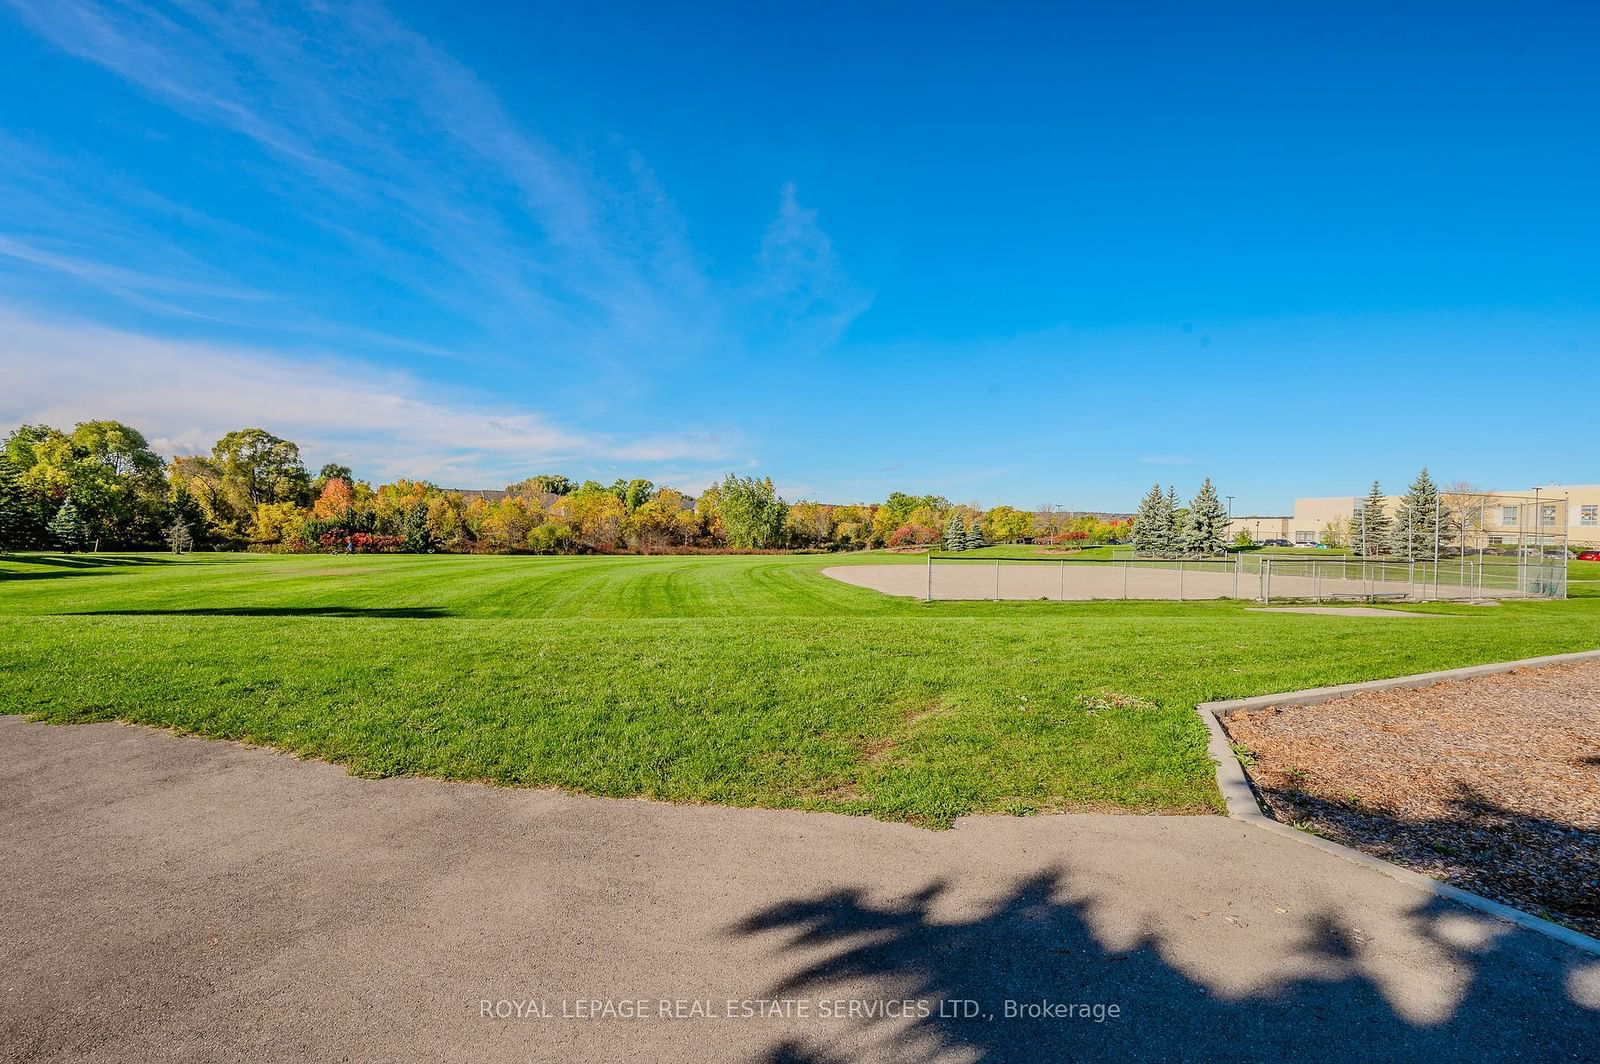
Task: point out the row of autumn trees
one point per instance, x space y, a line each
101 485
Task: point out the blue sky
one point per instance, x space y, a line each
1006 253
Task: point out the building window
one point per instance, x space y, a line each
1495 541
1590 515
1508 515
1305 537
1547 515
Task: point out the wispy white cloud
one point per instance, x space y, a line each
388 421
116 278
391 144
804 290
371 130
489 242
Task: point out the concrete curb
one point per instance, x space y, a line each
1234 784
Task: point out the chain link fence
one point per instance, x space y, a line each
1472 547
1262 578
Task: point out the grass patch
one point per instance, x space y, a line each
749 680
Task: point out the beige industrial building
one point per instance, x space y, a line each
1572 510
1260 529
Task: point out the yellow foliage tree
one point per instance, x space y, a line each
278 522
595 517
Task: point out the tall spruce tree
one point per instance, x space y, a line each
67 528
1415 521
1206 530
975 534
1154 525
13 508
955 536
1147 522
1172 531
417 536
1369 531
184 508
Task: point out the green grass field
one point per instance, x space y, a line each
743 680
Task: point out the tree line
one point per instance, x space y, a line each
102 486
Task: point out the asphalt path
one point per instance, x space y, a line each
172 898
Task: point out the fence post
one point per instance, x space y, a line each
1180 579
1063 579
1538 539
1411 579
929 597
1238 560
1266 581
997 579
1316 582
1124 579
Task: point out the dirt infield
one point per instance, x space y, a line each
1068 582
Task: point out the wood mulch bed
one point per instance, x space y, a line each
1491 783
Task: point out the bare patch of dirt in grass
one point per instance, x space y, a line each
841 792
878 750
1490 783
1109 701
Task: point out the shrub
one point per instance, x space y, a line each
912 536
552 537
360 542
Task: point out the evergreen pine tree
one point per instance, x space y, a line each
1411 535
13 508
1147 523
1399 543
179 538
67 528
1169 523
418 538
955 536
1369 531
1206 530
183 507
975 534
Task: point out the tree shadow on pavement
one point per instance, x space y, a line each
1033 946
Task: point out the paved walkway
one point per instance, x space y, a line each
177 899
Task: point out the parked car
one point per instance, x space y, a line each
1589 556
1276 543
